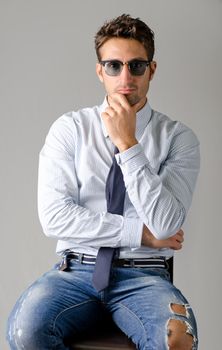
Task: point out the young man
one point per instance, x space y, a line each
159 162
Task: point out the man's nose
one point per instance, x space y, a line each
125 74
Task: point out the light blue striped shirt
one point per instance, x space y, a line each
160 173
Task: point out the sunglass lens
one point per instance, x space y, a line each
137 67
113 68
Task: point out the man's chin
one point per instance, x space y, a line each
132 99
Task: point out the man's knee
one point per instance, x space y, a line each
178 338
25 323
21 336
180 335
24 331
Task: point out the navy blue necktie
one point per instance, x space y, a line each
115 195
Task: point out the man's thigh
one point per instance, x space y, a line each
54 308
143 305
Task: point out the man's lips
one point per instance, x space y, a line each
125 90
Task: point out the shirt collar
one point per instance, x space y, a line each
142 118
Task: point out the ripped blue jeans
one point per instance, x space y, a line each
60 305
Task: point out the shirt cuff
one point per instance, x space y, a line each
132 233
131 159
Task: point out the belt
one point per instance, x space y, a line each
158 262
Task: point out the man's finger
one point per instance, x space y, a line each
120 99
179 238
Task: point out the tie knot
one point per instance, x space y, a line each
116 150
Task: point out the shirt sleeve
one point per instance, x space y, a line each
162 198
60 213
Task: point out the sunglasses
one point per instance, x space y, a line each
115 67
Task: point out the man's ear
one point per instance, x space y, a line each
153 66
99 72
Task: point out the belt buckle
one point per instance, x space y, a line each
63 266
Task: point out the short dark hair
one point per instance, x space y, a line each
125 26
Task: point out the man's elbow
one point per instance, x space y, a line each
48 221
167 228
47 225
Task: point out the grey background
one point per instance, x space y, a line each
47 67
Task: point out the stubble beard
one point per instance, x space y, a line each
132 99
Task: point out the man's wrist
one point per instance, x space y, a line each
125 146
146 237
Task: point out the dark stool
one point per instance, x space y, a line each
110 337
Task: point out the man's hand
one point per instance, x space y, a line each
120 121
173 242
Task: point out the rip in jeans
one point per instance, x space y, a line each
179 330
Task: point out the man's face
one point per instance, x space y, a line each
135 88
